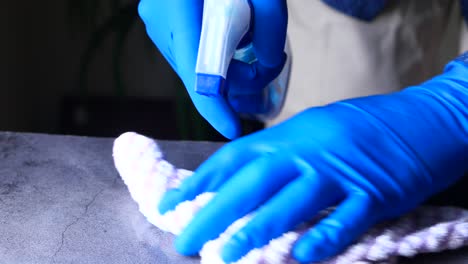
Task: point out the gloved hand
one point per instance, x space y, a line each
175 26
375 158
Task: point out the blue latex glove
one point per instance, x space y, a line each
175 26
374 157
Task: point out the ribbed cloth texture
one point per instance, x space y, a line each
147 175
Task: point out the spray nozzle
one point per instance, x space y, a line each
225 23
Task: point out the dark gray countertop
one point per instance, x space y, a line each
62 201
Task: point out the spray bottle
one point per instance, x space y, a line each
224 37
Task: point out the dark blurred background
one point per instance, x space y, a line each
87 67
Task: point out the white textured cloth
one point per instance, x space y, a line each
147 175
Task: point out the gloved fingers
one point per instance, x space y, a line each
211 174
332 235
178 39
246 82
218 113
157 26
245 79
253 184
297 202
246 94
270 21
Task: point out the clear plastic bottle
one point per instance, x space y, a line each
225 24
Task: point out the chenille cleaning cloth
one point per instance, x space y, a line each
147 175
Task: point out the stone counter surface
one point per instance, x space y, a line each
62 201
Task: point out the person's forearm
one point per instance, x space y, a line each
430 121
434 116
449 91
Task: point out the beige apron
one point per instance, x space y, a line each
336 56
